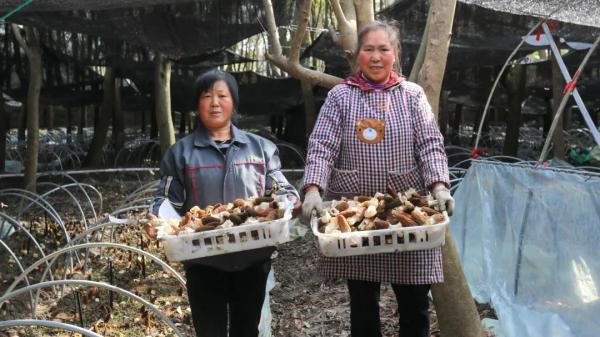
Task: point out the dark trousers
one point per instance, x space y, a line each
218 297
413 305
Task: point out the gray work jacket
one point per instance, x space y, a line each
195 172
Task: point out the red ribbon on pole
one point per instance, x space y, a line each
572 83
540 30
569 86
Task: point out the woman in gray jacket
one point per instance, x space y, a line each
219 163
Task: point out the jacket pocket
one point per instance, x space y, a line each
402 181
343 183
251 179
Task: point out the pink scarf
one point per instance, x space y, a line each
359 80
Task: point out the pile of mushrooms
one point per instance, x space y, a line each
237 213
381 211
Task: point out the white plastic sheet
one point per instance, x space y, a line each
529 243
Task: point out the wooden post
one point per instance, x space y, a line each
162 97
30 43
118 125
69 126
94 155
310 113
82 121
515 85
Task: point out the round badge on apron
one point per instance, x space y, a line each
370 130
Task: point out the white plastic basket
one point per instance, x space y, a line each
228 240
390 240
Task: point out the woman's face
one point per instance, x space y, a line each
215 106
376 56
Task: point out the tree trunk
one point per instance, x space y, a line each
162 96
182 123
33 110
568 117
515 84
454 305
558 83
69 126
143 117
456 311
50 117
22 121
94 155
82 122
153 125
30 43
456 121
310 113
436 52
118 125
418 62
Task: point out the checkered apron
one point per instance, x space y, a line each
411 154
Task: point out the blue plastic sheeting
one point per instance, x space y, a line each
297 230
6 229
264 326
529 241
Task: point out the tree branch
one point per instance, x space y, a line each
292 65
338 12
364 13
20 38
299 72
274 45
301 25
347 28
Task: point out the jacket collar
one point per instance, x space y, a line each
357 80
202 139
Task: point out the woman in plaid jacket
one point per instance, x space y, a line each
375 131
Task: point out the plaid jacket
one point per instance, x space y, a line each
411 154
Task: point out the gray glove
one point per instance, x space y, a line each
312 200
444 199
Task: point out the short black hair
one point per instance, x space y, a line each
208 79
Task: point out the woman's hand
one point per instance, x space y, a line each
150 226
445 201
312 200
150 230
297 205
